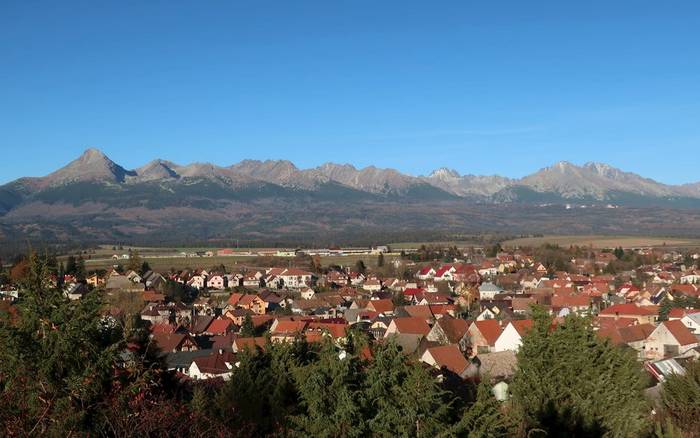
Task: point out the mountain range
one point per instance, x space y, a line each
93 196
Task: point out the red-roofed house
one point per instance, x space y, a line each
512 336
425 273
446 356
483 335
220 327
669 339
407 325
218 364
286 329
643 315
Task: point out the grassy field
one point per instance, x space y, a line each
604 241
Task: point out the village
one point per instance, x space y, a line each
465 316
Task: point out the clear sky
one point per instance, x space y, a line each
482 87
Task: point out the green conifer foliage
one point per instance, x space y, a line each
571 383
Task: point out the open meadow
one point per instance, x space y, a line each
601 242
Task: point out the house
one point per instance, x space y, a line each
219 282
197 282
76 291
173 342
95 280
253 303
217 365
449 330
407 325
307 293
425 273
669 339
483 335
284 330
293 278
511 337
446 357
692 321
220 327
444 273
383 306
633 336
372 285
643 314
487 291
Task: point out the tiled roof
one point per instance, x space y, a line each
450 357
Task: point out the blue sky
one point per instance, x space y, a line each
481 87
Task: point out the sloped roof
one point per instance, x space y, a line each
412 325
522 326
680 332
628 309
219 326
216 363
450 357
454 328
490 329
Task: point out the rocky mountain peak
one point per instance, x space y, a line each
444 173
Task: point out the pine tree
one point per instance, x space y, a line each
681 399
402 398
484 417
571 383
54 362
330 396
247 328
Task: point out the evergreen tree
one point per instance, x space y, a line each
54 364
71 265
571 383
145 267
330 396
380 260
135 261
681 399
619 253
402 398
247 328
484 418
360 267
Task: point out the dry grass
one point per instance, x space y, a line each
603 241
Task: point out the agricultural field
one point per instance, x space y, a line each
165 263
601 242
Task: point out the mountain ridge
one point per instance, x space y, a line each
93 198
594 181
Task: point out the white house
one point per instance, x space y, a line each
512 336
307 293
425 273
669 339
217 282
296 278
217 364
197 281
692 321
487 291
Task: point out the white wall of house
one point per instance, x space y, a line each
196 374
509 340
692 322
661 343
